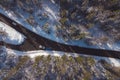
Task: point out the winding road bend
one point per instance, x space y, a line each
33 41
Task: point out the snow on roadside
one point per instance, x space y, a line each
13 36
112 61
33 54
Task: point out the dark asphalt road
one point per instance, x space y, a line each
33 41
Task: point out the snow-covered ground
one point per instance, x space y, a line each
33 54
12 37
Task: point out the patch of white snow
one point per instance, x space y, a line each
13 37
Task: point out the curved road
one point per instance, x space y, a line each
33 41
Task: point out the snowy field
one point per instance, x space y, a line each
12 37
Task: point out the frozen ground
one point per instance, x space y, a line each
12 37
